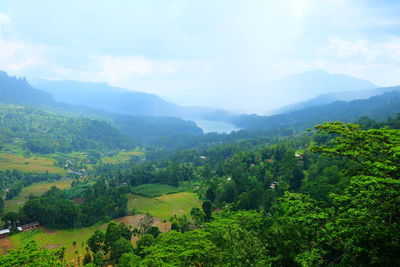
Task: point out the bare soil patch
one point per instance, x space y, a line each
5 244
53 246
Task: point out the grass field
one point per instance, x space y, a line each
36 189
122 156
165 206
59 238
155 190
66 237
30 164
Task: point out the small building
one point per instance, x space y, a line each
4 233
30 226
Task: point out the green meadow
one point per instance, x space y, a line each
165 206
35 189
122 156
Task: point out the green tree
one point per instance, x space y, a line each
120 247
96 242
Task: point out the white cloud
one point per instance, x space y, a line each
4 19
17 56
363 50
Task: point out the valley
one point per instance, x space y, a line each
117 189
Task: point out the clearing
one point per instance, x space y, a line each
165 206
122 156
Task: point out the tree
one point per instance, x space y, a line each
154 231
207 208
198 216
129 260
120 247
96 242
33 255
374 151
114 232
145 223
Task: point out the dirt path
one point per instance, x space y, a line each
5 244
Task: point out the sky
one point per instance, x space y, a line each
213 53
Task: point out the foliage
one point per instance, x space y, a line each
32 255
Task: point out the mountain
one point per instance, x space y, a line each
105 97
377 107
123 101
18 91
340 96
307 85
143 129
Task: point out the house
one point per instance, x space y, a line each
4 233
30 226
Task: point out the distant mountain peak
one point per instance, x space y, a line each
306 85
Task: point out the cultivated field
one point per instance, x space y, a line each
35 189
30 164
165 206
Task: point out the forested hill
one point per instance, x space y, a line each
378 108
18 91
143 129
39 131
328 98
121 100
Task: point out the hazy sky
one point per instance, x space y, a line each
210 52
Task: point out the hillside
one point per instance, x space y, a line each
377 107
39 131
339 96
